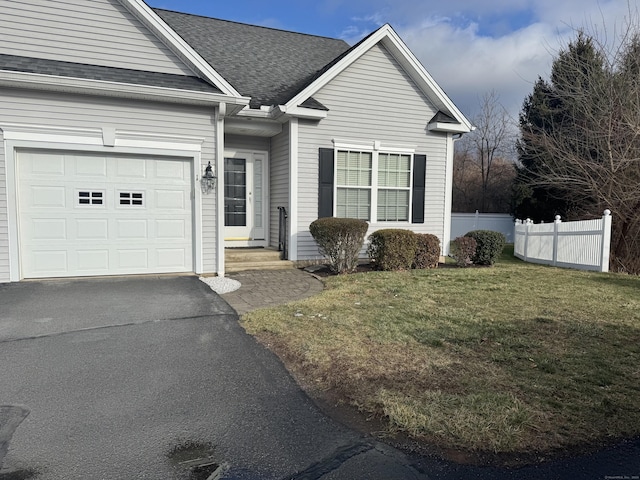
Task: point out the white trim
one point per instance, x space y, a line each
175 43
293 189
247 153
17 137
220 121
114 89
448 196
284 112
376 145
448 127
403 55
96 137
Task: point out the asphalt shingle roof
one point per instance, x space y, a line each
266 64
110 74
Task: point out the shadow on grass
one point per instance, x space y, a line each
618 280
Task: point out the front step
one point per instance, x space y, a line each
240 259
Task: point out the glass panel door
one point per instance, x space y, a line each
235 192
245 201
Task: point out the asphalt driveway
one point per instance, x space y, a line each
152 378
145 378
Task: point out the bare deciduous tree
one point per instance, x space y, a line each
483 170
590 150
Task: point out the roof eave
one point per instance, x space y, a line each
283 112
35 81
448 127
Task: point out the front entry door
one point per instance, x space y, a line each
244 199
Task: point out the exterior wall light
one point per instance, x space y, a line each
208 180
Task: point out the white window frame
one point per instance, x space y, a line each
375 148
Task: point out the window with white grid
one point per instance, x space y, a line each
373 186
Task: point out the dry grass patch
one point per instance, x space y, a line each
504 359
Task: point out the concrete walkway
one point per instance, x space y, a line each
266 288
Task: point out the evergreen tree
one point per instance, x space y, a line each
579 150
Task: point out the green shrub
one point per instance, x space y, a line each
392 249
489 246
427 251
463 250
340 241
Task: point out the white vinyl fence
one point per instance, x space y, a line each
462 223
583 245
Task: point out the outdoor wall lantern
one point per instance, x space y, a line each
208 180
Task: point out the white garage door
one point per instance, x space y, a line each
88 214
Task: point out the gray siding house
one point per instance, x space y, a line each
111 113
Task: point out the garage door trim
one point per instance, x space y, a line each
27 137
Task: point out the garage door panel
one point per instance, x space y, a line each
46 197
170 199
170 257
44 164
92 229
131 168
136 219
89 166
93 261
166 170
132 229
128 259
49 229
49 262
171 229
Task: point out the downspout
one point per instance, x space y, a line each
220 114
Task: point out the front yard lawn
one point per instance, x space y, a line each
510 359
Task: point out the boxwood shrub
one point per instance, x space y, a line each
427 251
463 250
392 249
340 241
489 246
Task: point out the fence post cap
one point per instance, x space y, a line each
558 218
607 212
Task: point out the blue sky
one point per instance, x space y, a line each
469 47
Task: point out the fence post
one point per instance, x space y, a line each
606 241
557 222
475 221
527 223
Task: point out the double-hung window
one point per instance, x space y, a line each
373 185
394 187
354 183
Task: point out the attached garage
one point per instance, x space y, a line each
84 214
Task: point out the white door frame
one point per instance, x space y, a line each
251 236
95 140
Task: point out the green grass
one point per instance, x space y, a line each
513 358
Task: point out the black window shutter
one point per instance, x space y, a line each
419 172
325 184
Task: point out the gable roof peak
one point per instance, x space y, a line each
390 39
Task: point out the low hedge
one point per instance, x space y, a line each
427 251
340 241
463 250
392 249
489 246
